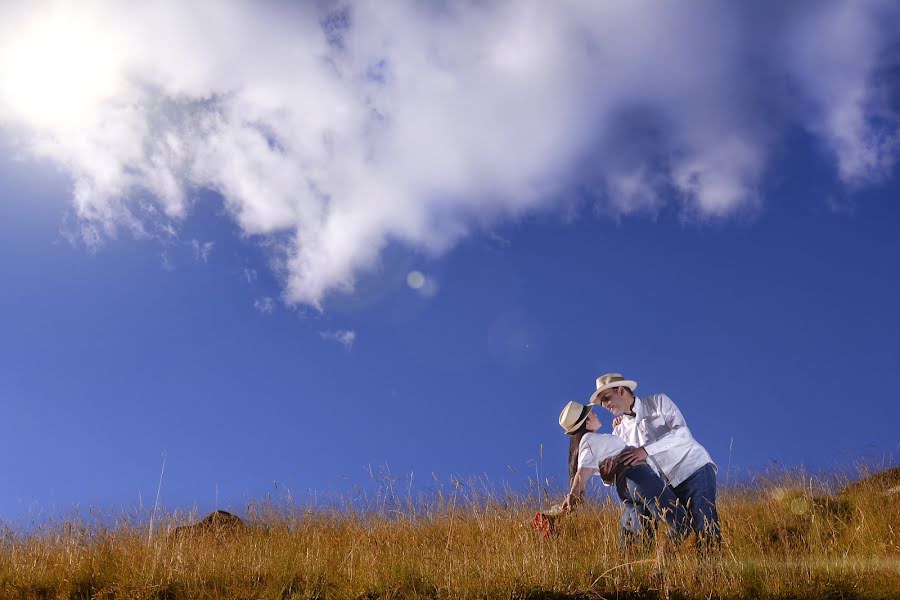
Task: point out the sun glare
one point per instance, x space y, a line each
58 72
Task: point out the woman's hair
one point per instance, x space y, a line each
574 443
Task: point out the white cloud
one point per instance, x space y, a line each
331 134
202 250
166 262
250 275
836 55
265 305
345 337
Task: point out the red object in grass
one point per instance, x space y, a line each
545 524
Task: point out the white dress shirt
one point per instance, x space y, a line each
658 427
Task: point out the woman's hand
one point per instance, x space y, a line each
632 456
570 502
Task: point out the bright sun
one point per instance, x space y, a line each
58 71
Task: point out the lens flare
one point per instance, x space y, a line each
415 280
799 506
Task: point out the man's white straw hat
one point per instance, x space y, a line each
573 415
608 381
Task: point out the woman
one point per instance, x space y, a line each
637 484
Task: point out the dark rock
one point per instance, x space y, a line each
217 522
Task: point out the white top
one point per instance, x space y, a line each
658 426
597 447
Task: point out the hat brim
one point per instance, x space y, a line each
631 385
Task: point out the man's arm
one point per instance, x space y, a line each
608 469
678 430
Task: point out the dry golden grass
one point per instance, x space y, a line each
782 540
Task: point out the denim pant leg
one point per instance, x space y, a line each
698 494
658 499
636 520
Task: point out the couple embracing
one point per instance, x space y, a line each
660 472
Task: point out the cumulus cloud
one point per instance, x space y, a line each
332 129
848 72
344 337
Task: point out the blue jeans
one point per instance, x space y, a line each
648 500
698 494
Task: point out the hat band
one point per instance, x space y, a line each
584 413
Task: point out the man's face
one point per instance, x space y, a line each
617 400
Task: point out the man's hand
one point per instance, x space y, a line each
570 502
632 456
608 467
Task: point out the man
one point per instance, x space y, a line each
658 433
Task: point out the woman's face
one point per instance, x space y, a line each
593 422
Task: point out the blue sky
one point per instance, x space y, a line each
274 282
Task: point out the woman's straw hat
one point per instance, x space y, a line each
573 415
611 380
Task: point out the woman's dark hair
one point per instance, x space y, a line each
574 443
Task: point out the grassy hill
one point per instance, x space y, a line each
784 538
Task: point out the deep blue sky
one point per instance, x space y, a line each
702 196
778 331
